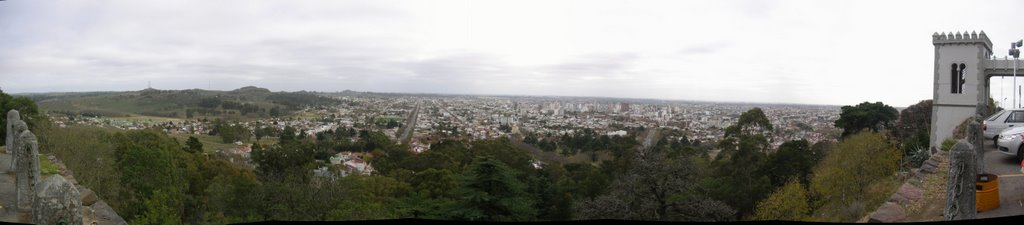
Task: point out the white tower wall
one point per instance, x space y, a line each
950 109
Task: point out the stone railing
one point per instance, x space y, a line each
960 194
55 199
94 210
911 194
966 162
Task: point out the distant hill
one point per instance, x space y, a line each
251 89
245 102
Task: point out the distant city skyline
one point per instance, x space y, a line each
602 98
742 51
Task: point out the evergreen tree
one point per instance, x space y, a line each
26 108
657 188
872 116
738 173
193 145
751 122
287 161
287 135
793 159
150 161
491 192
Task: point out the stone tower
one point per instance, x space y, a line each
960 82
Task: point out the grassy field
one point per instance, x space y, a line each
306 115
57 105
176 103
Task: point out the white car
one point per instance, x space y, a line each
1009 142
1002 120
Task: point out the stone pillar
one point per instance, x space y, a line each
27 173
17 126
977 139
960 199
11 116
57 202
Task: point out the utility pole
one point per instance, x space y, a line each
1016 54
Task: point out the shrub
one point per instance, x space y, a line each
843 180
787 203
960 132
916 156
948 144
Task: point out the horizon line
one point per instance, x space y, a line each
455 94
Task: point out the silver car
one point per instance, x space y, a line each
1000 121
1009 142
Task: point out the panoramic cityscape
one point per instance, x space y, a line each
481 117
231 112
427 119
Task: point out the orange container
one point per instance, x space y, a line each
987 192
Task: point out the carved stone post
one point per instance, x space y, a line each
27 173
17 126
11 116
960 199
57 202
977 139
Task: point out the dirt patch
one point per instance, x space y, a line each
931 207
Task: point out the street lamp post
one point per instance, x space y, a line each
1016 54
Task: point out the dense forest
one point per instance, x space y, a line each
151 178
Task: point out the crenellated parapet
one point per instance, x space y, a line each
962 38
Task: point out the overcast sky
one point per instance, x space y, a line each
813 52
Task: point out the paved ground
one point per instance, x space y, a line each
410 125
8 212
1011 183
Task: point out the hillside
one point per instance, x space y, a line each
245 102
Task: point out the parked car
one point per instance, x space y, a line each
995 124
1010 140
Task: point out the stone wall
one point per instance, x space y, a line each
55 199
911 192
94 210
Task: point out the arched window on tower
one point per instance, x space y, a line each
962 80
954 80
